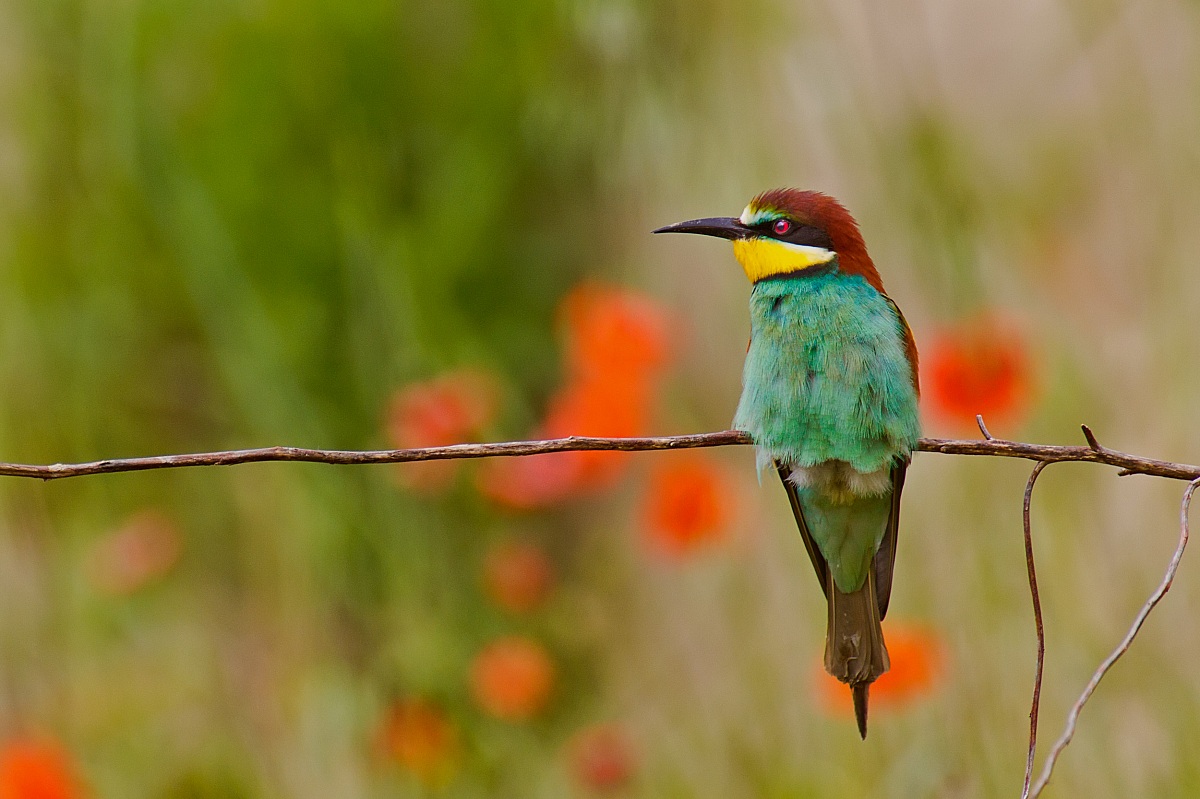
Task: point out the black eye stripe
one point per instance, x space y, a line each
800 233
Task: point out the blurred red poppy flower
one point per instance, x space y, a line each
418 735
616 348
687 504
601 757
614 334
597 408
982 366
512 678
531 482
139 552
918 660
452 408
581 409
37 769
517 576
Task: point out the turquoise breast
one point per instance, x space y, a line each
827 376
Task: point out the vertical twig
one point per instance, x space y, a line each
1037 620
982 426
1123 647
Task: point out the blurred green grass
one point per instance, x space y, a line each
229 225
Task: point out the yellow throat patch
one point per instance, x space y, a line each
763 257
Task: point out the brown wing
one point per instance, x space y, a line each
885 559
910 345
818 560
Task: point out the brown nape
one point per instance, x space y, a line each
824 212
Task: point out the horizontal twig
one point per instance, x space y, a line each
1129 464
1049 453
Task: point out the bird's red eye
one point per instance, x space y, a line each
781 226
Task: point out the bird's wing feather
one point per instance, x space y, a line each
818 560
910 345
885 559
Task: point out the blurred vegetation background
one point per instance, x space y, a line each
381 223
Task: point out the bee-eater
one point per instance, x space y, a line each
829 395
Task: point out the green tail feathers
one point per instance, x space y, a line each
854 649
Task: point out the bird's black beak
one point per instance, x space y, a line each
722 227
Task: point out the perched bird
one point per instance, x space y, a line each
829 394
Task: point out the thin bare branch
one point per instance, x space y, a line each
1132 464
346 457
1123 647
983 427
1037 620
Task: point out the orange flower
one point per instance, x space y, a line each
143 549
686 505
530 482
979 366
601 757
597 408
37 770
918 661
417 734
614 333
616 346
449 409
512 678
580 409
517 576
